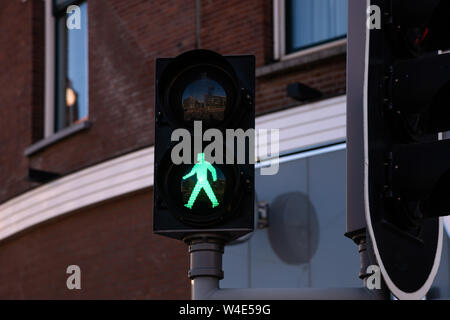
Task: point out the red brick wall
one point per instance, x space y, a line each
236 27
16 94
327 76
125 37
114 246
38 56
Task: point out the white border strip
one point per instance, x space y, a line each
300 127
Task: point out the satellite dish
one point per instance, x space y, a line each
293 228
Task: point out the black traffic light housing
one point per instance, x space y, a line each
226 102
408 167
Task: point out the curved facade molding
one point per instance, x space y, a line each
300 127
81 189
308 125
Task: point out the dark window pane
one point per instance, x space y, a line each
311 22
72 71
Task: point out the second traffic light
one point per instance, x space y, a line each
204 145
407 106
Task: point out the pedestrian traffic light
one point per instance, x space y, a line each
204 145
406 109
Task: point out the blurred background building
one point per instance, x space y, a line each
76 137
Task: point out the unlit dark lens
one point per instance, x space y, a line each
204 99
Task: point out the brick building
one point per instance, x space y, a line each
97 213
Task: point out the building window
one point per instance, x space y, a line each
71 49
302 24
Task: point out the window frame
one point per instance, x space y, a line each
52 13
279 36
51 136
50 72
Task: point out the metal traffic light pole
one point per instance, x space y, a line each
205 272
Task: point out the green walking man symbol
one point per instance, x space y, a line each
201 169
